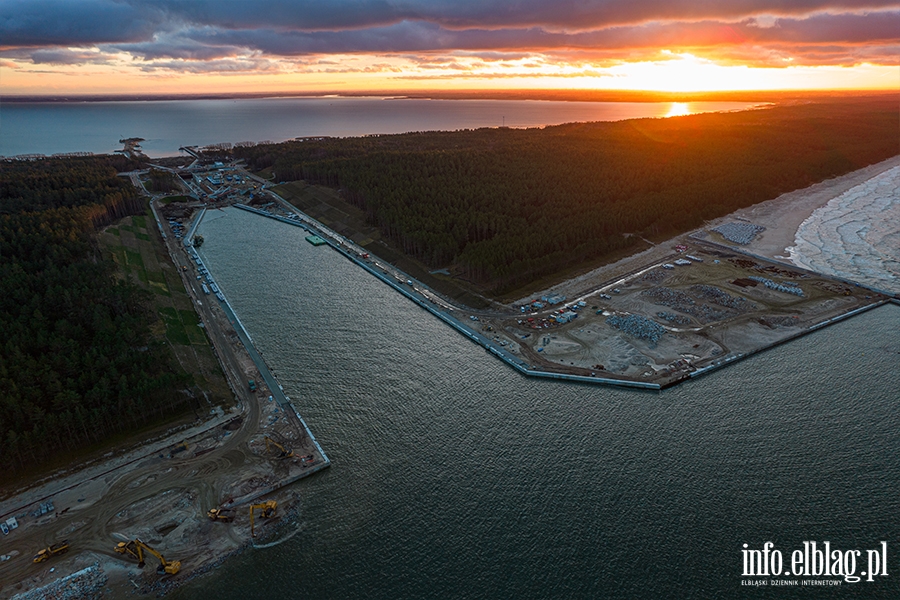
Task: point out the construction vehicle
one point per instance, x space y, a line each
285 453
137 548
225 515
268 511
51 550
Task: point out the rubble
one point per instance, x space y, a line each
787 288
739 233
86 583
716 296
637 326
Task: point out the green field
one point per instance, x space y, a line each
135 245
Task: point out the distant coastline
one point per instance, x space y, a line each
572 95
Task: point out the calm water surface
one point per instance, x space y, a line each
49 128
456 477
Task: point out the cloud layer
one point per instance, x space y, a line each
246 36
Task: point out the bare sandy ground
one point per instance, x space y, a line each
783 216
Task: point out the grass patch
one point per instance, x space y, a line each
176 199
160 288
174 329
192 327
157 276
139 221
134 259
142 236
126 228
113 230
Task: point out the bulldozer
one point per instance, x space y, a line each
268 511
224 515
285 452
51 550
136 549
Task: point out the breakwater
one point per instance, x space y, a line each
427 299
275 388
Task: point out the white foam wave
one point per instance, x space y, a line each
856 235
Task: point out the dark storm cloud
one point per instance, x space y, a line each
179 32
32 23
313 15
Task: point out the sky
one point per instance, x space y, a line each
306 46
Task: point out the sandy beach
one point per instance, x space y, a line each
781 216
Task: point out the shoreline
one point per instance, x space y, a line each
626 273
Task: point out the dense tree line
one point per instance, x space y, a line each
504 207
78 362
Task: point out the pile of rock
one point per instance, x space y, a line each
787 287
673 318
716 296
637 326
654 276
739 233
86 583
683 303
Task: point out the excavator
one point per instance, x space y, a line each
136 548
268 510
285 453
225 515
52 550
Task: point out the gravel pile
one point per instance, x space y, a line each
654 276
673 318
716 296
774 322
683 303
85 584
637 326
787 288
739 233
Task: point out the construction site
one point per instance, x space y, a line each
147 518
698 307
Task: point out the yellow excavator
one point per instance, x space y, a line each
268 510
52 550
285 453
136 548
225 515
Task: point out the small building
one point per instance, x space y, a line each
566 317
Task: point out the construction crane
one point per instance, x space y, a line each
268 510
285 453
136 548
226 515
52 550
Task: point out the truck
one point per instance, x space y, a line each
52 550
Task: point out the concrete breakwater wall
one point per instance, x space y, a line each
732 359
352 253
271 382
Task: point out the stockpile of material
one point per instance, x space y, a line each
637 326
716 296
673 318
86 583
683 303
787 288
739 233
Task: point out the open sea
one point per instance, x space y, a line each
454 476
60 127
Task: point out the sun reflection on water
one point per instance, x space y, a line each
679 109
